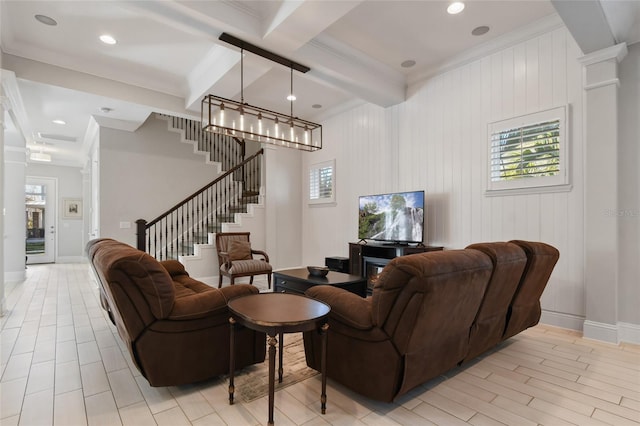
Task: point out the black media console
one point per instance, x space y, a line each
367 260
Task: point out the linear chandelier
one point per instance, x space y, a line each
239 119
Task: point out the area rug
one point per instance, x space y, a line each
252 382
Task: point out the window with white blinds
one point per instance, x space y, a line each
528 152
322 182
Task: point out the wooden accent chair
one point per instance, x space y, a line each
235 257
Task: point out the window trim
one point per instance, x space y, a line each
530 185
318 166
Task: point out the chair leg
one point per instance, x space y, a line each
251 279
269 280
220 282
233 280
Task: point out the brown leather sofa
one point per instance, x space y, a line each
176 329
428 313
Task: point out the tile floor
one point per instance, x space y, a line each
63 363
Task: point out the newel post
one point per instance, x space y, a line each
141 232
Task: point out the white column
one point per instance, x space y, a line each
2 126
86 205
601 192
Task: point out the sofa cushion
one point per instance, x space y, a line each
525 310
133 271
246 266
509 261
239 250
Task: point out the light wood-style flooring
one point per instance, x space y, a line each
63 363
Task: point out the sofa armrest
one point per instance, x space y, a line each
198 305
237 290
346 307
174 268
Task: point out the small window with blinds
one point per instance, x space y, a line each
322 182
528 153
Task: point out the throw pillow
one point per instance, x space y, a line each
239 250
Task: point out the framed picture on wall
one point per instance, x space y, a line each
71 208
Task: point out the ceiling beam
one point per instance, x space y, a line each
587 23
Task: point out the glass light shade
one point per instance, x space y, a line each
232 118
40 156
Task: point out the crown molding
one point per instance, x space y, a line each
512 38
12 102
617 52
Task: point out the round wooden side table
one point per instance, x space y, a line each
276 314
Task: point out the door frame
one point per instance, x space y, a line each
51 215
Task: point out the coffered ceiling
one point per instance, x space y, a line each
168 55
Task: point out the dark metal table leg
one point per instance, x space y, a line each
271 340
232 358
280 351
323 367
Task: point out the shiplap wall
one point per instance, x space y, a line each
436 141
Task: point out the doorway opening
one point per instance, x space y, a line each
40 210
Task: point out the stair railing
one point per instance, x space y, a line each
224 149
175 232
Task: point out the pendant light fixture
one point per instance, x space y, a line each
40 156
242 120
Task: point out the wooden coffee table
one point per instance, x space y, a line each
299 280
276 314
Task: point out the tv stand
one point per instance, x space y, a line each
397 244
358 251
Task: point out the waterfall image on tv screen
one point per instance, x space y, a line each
392 217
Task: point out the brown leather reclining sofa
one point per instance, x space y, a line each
175 328
430 312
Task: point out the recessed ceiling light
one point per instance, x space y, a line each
291 97
61 122
316 106
408 63
455 7
44 19
106 110
478 31
107 39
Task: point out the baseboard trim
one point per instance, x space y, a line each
71 259
620 332
558 319
601 331
629 332
15 276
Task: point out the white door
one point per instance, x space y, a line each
40 207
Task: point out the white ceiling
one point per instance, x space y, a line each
168 54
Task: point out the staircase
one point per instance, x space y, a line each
231 202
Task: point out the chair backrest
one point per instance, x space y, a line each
138 288
525 310
223 239
413 301
509 261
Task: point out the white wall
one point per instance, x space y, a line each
2 127
366 163
14 216
629 193
69 232
436 141
143 174
283 189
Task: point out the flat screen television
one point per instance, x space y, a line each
395 218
